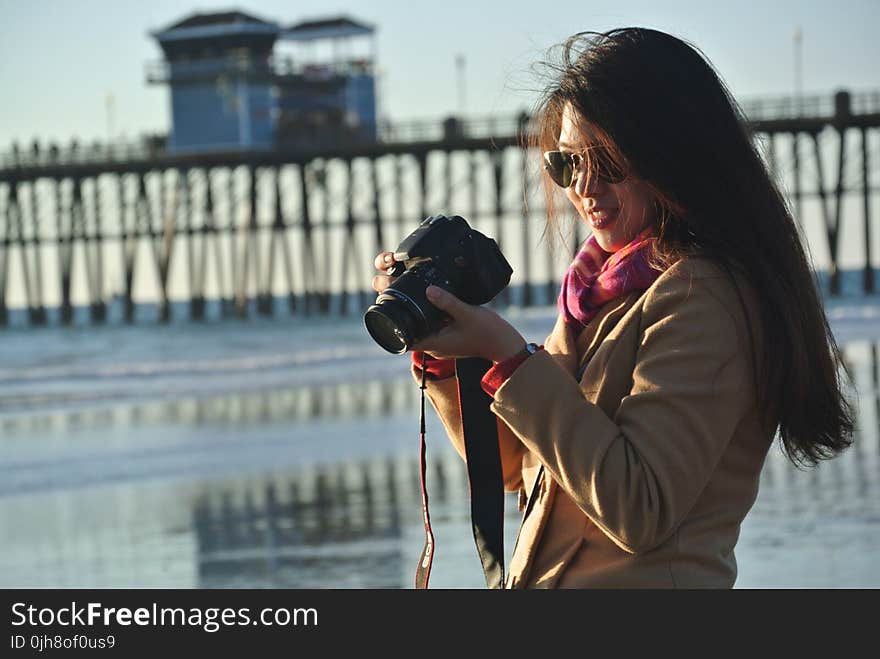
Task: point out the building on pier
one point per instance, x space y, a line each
242 83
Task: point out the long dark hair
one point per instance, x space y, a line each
673 124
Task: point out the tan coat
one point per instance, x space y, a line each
651 461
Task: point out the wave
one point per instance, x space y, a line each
98 365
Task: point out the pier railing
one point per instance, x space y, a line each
811 106
150 148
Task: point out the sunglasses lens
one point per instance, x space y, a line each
558 166
561 166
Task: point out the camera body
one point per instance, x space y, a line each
446 252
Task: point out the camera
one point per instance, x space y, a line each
446 252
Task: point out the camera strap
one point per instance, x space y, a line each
480 429
423 571
485 477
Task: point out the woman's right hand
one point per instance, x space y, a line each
383 262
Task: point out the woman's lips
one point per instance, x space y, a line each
599 218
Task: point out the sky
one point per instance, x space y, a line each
60 60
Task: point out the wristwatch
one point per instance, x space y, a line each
531 349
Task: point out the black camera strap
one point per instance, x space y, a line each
485 477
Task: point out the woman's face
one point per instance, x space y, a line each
616 213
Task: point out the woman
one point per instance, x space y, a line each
690 332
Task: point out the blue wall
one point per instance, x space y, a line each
207 117
239 116
360 96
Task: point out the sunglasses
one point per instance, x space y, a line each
562 165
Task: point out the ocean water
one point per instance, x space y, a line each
283 453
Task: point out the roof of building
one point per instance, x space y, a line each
217 18
340 26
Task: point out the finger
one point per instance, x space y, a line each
384 261
440 344
445 301
434 353
381 282
427 344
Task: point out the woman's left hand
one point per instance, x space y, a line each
473 332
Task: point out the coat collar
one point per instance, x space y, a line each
573 353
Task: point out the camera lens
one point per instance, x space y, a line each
391 324
402 315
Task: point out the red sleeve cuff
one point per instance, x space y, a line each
498 374
437 369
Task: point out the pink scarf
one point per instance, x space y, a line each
596 276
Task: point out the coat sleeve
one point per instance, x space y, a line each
443 395
637 475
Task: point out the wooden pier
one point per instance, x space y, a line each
96 228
